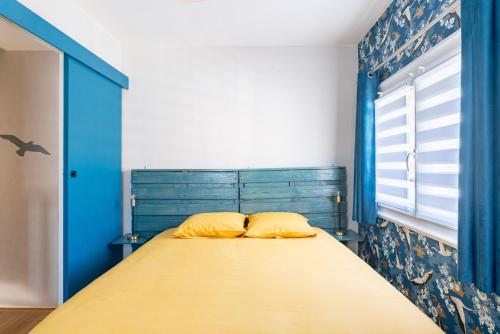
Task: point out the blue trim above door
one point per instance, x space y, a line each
28 20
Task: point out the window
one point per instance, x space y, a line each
417 144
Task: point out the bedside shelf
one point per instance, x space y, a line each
349 235
124 240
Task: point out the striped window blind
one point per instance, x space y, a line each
417 143
438 142
395 142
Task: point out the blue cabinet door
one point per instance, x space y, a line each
92 180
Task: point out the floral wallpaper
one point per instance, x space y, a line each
399 23
423 269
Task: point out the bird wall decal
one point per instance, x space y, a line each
442 250
420 252
407 15
407 233
398 262
386 33
459 307
422 280
25 146
476 331
457 289
406 12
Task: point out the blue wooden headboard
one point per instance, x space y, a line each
309 191
165 198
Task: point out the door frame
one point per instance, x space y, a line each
22 16
62 148
31 22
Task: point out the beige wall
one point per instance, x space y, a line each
29 185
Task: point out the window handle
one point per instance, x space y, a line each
412 153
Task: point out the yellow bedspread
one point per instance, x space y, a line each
310 285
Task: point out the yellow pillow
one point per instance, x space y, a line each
278 225
213 225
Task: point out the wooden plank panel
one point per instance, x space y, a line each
156 223
265 184
183 207
292 183
188 176
329 220
292 192
160 223
145 234
316 183
292 175
167 197
317 205
190 185
187 191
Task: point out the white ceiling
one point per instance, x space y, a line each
13 38
236 22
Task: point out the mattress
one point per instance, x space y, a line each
242 285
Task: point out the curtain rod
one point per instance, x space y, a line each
447 11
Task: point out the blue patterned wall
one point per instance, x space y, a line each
424 270
421 268
398 24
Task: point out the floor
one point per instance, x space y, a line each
20 321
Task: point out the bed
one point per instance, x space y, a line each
240 285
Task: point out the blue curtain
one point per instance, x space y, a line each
479 180
364 206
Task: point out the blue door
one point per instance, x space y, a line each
93 190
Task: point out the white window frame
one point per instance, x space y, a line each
445 50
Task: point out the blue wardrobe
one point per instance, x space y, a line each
92 153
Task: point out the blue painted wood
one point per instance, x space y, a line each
156 224
339 181
292 175
327 220
301 205
92 210
185 191
183 207
291 191
145 225
184 176
293 183
309 191
165 198
25 18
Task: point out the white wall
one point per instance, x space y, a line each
74 21
29 185
238 108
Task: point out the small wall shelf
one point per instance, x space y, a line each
124 240
349 235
